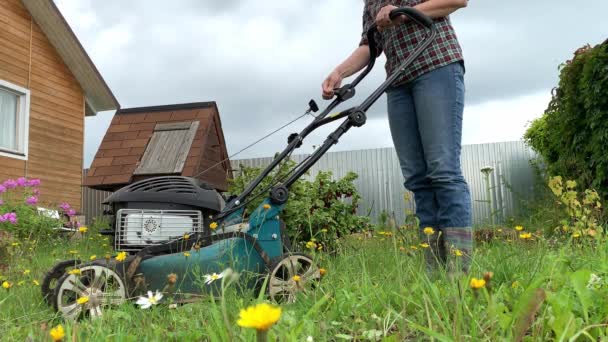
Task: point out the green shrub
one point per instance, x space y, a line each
572 135
318 212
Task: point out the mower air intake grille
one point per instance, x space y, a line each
138 228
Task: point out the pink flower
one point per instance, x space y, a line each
10 184
31 200
2 188
36 192
65 206
33 182
71 212
21 181
11 217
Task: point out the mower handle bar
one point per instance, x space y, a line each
322 118
417 16
414 14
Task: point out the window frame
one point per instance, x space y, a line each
23 121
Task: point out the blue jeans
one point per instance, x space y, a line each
425 117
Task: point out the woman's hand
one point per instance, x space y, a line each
383 19
332 82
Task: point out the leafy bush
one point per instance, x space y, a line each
572 135
318 212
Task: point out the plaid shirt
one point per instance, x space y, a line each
399 41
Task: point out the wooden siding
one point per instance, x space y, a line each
56 131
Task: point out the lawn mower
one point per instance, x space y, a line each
181 227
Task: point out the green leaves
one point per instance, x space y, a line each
323 209
572 134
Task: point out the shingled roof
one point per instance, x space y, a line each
182 139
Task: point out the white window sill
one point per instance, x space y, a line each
14 155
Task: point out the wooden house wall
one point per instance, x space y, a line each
56 131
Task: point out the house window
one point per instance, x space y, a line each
14 120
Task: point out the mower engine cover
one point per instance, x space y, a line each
157 210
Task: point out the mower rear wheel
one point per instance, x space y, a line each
289 274
100 285
50 279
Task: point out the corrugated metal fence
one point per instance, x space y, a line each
91 201
380 181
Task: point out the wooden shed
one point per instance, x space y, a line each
181 139
48 85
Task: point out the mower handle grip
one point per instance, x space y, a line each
414 14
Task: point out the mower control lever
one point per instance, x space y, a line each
345 92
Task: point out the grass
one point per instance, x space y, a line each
376 289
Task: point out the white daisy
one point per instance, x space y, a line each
210 278
145 303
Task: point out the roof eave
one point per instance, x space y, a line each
47 16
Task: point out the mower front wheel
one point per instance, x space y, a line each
289 274
89 292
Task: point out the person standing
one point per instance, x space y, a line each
425 112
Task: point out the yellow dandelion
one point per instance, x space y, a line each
322 271
266 206
311 245
73 252
121 256
413 248
186 254
296 278
576 235
93 257
186 236
82 300
15 244
260 317
83 229
519 228
57 333
26 272
525 236
35 282
500 230
476 284
213 225
424 245
429 231
458 253
6 284
75 271
515 284
21 283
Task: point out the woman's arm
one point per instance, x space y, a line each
351 65
432 8
440 8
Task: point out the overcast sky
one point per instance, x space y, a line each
262 64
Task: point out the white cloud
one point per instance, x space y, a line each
262 64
